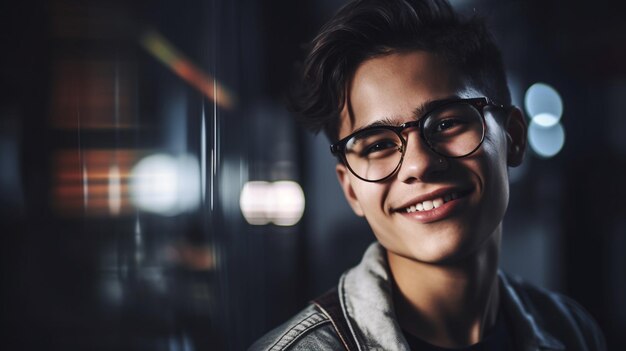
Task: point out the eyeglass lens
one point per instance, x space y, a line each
454 130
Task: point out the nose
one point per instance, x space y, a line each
420 163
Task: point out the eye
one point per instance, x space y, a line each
447 124
382 146
374 143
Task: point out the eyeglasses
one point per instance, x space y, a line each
452 129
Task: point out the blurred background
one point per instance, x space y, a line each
157 195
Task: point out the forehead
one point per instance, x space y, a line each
391 87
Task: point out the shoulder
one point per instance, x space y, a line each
310 329
559 315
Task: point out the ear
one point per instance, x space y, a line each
343 175
515 129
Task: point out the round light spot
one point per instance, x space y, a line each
546 119
541 99
254 202
546 141
166 185
281 203
287 204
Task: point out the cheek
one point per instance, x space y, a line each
495 150
371 196
495 174
489 168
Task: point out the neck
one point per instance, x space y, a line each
451 304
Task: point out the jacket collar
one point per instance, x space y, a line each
527 332
366 299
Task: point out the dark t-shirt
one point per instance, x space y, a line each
498 339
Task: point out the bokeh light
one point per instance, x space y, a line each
166 185
281 202
287 203
253 202
543 100
544 105
546 119
546 141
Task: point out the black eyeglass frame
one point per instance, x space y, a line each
338 148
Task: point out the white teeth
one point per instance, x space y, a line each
437 203
430 204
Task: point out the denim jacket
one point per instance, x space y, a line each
538 319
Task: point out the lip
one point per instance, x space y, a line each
440 212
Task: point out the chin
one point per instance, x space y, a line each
440 249
440 254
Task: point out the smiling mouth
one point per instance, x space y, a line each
428 205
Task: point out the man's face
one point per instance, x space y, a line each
391 88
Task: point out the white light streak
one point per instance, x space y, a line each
115 191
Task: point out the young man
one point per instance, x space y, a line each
416 103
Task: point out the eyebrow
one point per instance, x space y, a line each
385 121
417 113
430 105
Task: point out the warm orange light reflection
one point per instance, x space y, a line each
165 52
92 182
199 258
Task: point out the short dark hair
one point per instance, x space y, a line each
364 29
